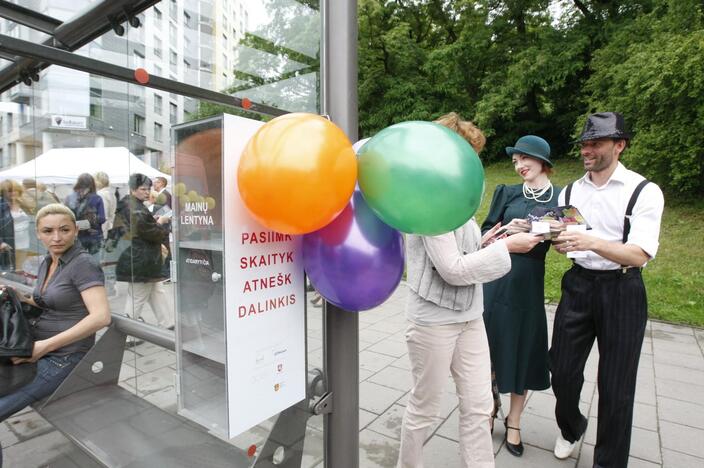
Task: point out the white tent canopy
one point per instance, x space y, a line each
64 165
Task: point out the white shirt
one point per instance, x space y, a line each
604 208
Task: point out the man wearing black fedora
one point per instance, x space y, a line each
603 295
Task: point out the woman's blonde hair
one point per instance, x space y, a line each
101 180
465 129
55 209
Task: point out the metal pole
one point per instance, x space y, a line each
339 101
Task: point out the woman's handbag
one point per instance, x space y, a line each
15 332
15 341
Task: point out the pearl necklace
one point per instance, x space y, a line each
537 193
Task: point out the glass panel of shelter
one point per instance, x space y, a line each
264 51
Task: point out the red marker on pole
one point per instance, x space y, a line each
246 103
141 75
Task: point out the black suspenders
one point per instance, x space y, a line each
629 207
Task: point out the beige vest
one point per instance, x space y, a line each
425 281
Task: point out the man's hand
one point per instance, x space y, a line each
575 241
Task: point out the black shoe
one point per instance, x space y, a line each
514 449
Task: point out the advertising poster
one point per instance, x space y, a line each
264 302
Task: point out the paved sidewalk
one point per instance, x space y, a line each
668 424
668 419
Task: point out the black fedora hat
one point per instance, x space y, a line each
533 146
604 125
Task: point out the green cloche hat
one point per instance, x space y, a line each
532 146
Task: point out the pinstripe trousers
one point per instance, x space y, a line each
610 306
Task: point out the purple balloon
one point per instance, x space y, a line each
356 261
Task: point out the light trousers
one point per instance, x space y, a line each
462 350
154 293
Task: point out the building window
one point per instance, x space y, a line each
173 10
234 33
158 136
173 58
158 104
186 64
138 59
186 20
138 124
224 62
96 103
157 47
173 113
224 41
157 70
157 17
172 34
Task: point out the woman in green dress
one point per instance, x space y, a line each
514 310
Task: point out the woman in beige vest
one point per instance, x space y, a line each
446 332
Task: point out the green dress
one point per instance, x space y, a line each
514 305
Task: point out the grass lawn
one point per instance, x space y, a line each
674 280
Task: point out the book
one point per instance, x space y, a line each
567 214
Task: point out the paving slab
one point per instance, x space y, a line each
377 398
377 450
441 452
685 439
390 348
679 374
681 412
679 390
374 362
393 377
672 459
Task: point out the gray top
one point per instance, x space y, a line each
61 299
462 265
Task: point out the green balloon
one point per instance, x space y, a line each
421 178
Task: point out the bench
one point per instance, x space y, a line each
114 427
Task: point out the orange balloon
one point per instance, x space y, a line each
297 173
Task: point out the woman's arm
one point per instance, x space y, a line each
481 266
476 267
96 301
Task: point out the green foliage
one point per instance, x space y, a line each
653 72
512 68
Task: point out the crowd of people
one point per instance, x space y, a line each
476 299
108 227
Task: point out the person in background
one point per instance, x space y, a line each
20 211
140 264
7 229
90 214
162 205
603 295
102 184
163 196
446 332
70 291
514 305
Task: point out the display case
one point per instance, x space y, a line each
240 335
